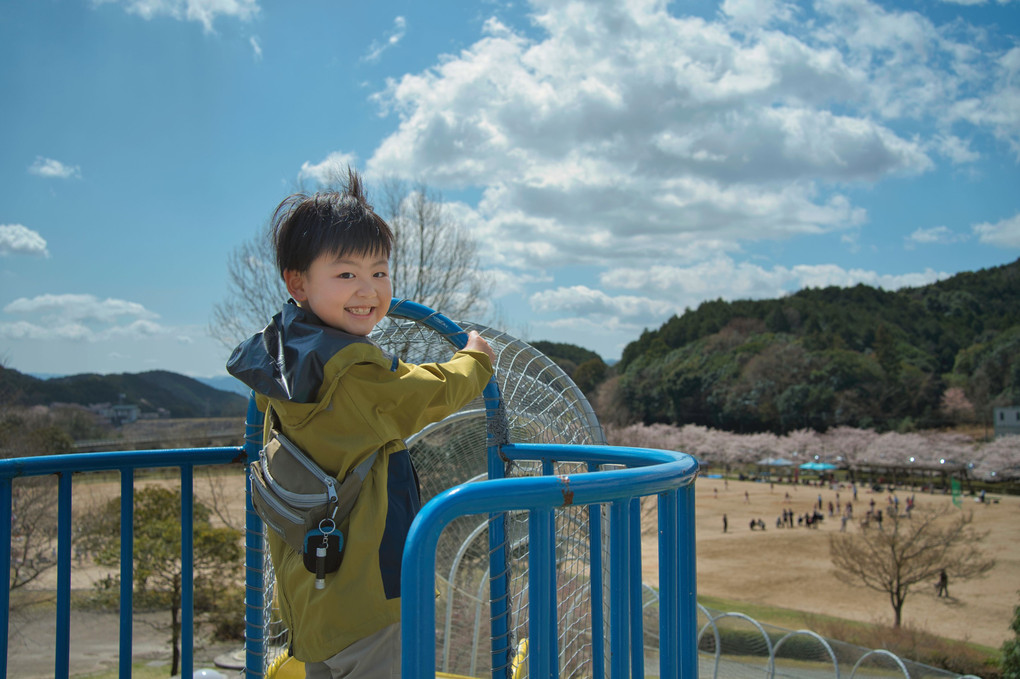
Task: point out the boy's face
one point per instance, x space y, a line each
350 294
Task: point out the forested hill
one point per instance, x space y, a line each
181 395
861 356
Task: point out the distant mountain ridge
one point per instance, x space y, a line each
182 396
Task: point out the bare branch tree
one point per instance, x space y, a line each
434 262
911 550
255 291
26 432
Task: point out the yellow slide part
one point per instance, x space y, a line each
285 667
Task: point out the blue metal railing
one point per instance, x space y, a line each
64 467
652 472
668 475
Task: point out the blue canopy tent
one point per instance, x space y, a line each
817 466
774 462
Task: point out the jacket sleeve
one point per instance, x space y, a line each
400 403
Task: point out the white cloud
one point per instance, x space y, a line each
626 131
1003 234
328 169
724 278
972 3
757 13
395 35
936 235
957 150
16 239
54 169
204 12
24 330
820 276
584 301
503 282
256 48
78 307
80 317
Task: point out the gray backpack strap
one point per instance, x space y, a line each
351 487
348 489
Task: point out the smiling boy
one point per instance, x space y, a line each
339 397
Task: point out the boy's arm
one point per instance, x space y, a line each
401 403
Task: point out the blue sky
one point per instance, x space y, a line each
617 161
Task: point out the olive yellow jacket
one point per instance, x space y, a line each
340 397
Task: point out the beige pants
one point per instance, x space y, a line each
374 657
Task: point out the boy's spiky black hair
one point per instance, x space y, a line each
328 222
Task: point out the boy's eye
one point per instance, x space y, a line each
345 274
380 274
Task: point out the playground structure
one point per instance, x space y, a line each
533 546
542 546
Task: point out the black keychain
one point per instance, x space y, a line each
323 551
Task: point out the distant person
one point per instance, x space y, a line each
942 586
340 398
725 523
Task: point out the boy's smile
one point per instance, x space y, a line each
351 293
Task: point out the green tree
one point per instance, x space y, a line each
157 554
1011 649
590 374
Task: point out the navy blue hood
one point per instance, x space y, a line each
285 361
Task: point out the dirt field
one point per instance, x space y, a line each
781 567
791 567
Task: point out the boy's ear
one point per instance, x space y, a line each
295 281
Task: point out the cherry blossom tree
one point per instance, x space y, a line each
929 452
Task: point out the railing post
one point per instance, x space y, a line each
496 435
127 556
688 600
254 554
187 570
596 588
619 592
542 648
637 629
63 630
6 511
669 623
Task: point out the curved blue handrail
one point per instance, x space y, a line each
650 472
